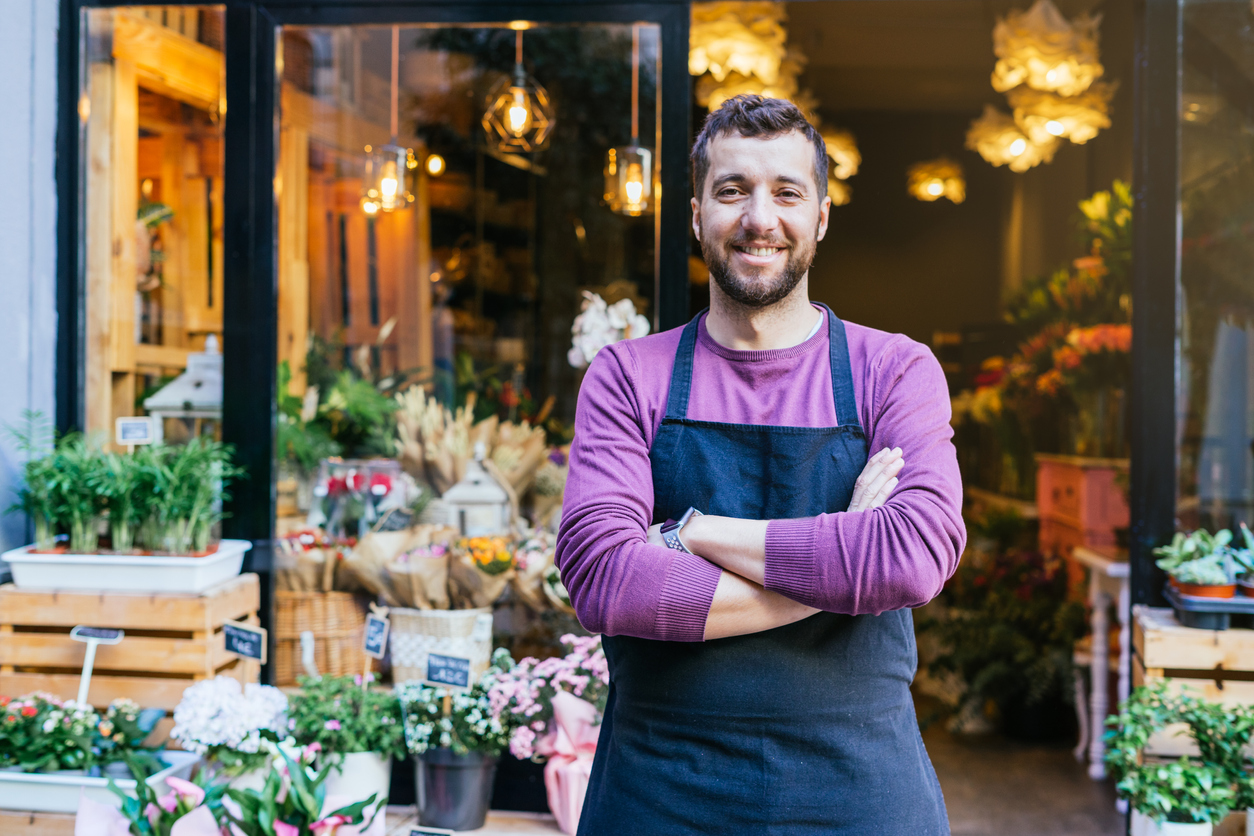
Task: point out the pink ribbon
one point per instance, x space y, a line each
569 745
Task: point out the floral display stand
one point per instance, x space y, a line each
171 641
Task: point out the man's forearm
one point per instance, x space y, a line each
741 607
738 546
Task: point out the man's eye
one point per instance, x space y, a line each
728 192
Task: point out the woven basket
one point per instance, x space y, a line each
417 633
336 621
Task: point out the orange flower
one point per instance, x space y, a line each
1050 382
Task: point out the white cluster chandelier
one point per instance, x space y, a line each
1048 68
741 47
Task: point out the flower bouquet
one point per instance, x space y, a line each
294 802
479 571
557 706
188 809
533 557
600 324
229 724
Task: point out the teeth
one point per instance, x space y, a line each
760 250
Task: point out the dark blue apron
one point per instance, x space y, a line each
803 730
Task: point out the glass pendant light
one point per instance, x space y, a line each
520 114
384 188
629 168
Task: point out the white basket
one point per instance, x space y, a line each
415 634
126 572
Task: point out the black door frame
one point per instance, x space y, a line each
250 286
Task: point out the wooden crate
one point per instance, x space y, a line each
15 823
171 641
1216 665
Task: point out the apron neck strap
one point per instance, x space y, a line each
842 372
681 375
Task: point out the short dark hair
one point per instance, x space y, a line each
751 115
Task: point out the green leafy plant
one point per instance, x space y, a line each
78 463
1214 570
1195 545
190 483
1201 789
471 724
150 814
36 497
40 733
120 735
1010 629
291 802
342 717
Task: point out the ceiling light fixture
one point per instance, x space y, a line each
1042 49
996 137
384 187
519 115
1042 115
629 168
933 179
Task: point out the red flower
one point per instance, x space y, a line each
380 484
336 486
5 701
29 711
356 481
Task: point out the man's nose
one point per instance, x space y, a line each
759 215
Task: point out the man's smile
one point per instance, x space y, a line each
759 255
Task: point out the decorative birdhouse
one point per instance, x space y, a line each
477 505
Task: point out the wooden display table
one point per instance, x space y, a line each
171 641
1216 665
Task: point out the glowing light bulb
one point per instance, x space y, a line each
935 188
1051 76
1055 127
1018 147
388 182
518 114
435 165
370 207
634 185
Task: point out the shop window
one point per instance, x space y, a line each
1216 336
151 111
469 283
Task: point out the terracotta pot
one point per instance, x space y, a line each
1246 588
1204 590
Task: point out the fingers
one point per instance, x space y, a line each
877 479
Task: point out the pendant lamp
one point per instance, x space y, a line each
384 188
520 114
629 168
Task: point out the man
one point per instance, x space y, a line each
760 644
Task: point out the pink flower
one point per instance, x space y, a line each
331 725
328 826
169 802
310 752
153 813
186 789
282 828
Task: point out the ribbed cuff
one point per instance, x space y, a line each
687 594
789 568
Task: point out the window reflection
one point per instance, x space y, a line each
1216 395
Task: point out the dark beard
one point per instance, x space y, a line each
747 293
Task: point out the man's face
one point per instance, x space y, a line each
759 216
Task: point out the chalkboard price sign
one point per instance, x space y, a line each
245 640
429 831
448 670
376 636
103 635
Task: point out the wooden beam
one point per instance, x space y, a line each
169 63
123 188
161 356
98 252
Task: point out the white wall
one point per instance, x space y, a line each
28 204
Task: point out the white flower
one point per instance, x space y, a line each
637 326
218 712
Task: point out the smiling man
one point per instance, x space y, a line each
751 567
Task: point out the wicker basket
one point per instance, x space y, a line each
336 621
417 633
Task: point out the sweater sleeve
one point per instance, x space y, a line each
900 554
619 584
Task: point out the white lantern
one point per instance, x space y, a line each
477 505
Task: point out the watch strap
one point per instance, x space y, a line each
672 528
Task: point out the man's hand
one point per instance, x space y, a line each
877 480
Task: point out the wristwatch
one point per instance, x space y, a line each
671 529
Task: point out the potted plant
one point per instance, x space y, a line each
293 802
40 733
1186 797
556 706
1200 563
229 725
189 808
120 736
456 738
356 728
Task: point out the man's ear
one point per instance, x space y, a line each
696 218
824 210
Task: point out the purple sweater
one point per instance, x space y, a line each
898 555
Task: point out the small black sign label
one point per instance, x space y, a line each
104 635
376 636
245 640
429 831
448 670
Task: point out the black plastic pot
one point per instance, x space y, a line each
454 790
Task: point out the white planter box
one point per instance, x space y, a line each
52 793
1145 826
126 573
